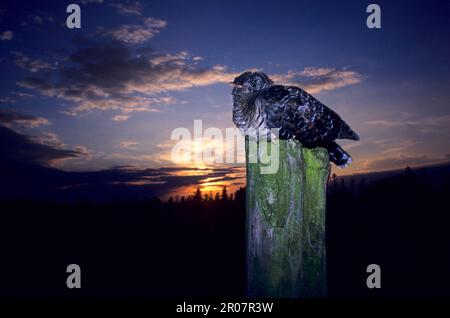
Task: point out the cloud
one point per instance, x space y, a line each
135 33
125 104
128 144
38 84
84 152
49 139
128 8
141 160
401 161
44 149
23 95
29 64
111 184
430 121
6 36
120 117
7 100
316 80
401 146
37 20
422 124
12 119
16 147
386 123
111 76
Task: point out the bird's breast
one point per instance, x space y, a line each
251 118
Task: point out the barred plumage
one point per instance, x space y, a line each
259 105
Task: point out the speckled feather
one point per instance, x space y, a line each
301 116
260 105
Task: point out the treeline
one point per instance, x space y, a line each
210 197
195 246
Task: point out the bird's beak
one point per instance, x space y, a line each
231 83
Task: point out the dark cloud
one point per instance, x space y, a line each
130 183
30 64
108 72
44 149
26 174
112 76
16 147
27 169
12 119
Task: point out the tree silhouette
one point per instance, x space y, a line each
197 198
405 211
224 194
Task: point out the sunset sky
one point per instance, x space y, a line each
111 93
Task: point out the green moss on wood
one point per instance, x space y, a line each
286 223
316 171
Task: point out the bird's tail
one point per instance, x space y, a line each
347 133
338 155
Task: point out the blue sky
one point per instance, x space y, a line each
113 91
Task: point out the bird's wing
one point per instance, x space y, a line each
299 115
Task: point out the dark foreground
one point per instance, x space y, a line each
197 247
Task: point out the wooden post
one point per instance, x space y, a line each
286 222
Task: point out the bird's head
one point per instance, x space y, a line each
250 82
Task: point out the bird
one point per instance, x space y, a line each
259 106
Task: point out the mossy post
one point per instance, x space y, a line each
286 221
